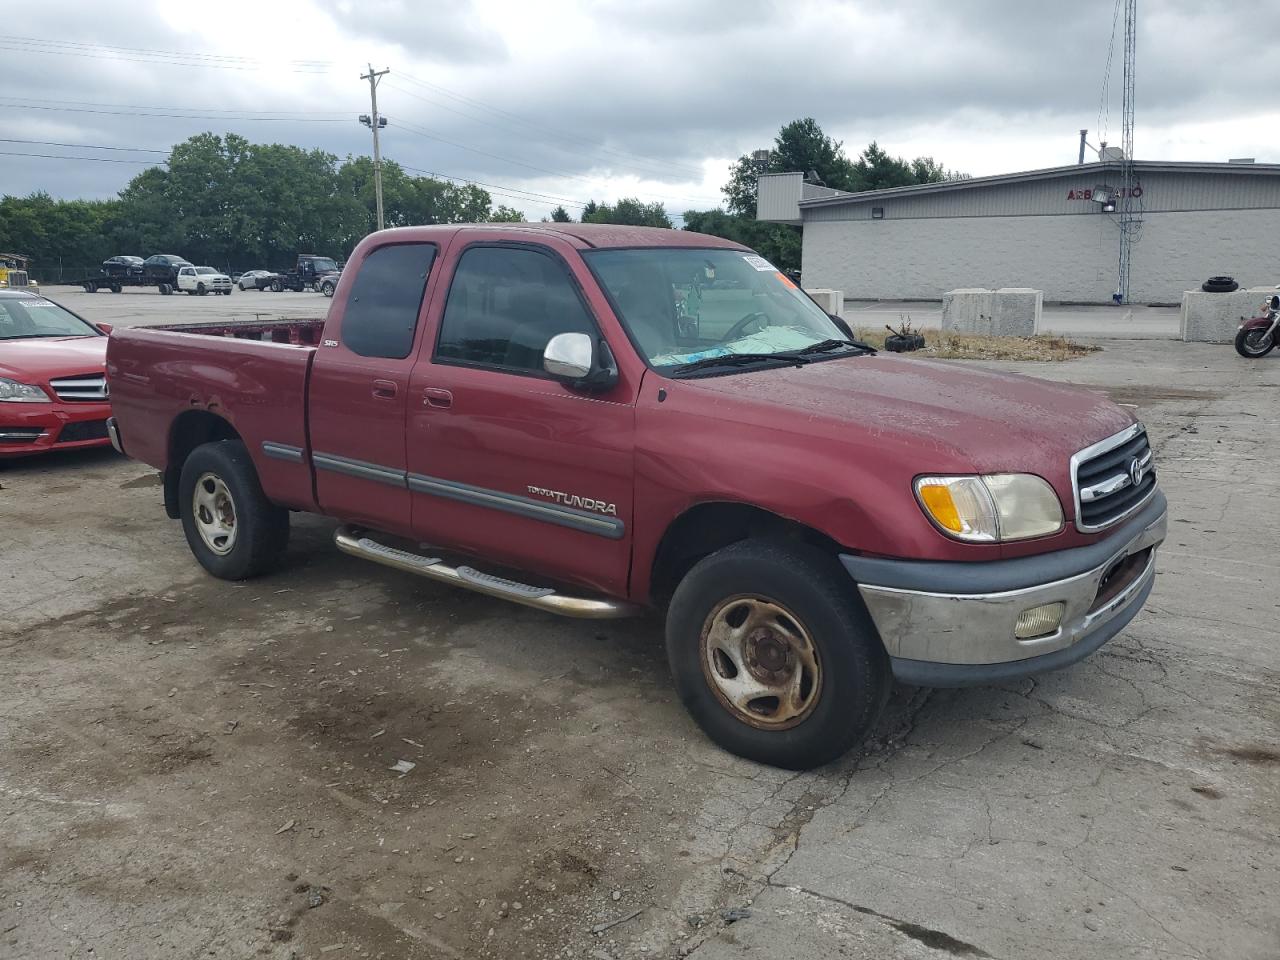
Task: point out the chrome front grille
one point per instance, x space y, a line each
1113 479
87 388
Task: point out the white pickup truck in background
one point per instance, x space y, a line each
202 280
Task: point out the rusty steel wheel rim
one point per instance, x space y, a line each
760 662
215 513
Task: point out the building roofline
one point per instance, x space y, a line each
1047 173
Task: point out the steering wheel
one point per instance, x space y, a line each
737 330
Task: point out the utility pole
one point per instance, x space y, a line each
1130 213
374 122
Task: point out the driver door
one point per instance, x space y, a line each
506 463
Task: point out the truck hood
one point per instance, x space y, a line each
39 359
972 419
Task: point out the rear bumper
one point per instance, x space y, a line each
56 426
952 624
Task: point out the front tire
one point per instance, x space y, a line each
276 286
327 289
1254 343
230 525
774 655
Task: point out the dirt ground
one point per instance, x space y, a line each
191 768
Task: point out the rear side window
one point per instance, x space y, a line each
504 304
382 311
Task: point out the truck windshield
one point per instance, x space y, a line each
324 265
204 271
685 306
26 319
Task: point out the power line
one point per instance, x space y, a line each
84 146
98 51
498 188
133 106
53 156
520 163
539 126
179 116
648 172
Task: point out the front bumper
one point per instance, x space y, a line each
31 428
952 624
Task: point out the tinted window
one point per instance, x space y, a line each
382 311
504 305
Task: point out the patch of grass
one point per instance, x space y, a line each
976 346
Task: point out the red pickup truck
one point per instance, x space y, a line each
592 420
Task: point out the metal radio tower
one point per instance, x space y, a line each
1130 212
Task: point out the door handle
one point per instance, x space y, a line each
437 397
384 390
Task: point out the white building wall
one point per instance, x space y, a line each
1069 257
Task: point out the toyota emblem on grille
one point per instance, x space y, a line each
1136 471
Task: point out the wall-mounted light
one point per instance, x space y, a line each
1104 195
877 213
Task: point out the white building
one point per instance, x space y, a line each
1042 228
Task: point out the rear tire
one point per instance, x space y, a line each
230 525
276 286
1254 343
805 634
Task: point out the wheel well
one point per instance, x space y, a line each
708 527
190 430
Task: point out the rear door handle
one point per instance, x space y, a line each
384 389
437 397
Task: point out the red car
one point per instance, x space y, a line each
53 390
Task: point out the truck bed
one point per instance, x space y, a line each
253 375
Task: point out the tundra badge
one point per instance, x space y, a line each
573 500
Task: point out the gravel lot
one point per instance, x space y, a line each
191 768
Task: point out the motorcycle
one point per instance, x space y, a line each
1256 337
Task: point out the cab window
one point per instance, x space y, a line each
381 315
504 304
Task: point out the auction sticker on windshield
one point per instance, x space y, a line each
760 263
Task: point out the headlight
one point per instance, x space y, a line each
11 391
991 508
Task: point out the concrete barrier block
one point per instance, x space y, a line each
1017 311
831 301
1214 317
968 310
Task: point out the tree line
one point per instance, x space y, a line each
233 204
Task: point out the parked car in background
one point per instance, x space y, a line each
162 270
53 390
198 281
122 267
310 273
255 280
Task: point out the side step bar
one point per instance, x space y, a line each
358 543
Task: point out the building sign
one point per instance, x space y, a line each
1086 193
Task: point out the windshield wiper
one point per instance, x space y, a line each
826 346
741 359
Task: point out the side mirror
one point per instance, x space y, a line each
843 325
574 359
105 327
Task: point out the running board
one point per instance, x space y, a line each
358 543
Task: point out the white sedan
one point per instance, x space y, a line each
257 279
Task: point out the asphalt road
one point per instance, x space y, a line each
138 306
191 768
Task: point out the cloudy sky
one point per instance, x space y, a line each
567 101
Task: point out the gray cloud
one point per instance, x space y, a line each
652 88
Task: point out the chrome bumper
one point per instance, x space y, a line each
113 432
951 636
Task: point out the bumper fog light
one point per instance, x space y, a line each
1038 621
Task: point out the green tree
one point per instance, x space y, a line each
629 211
503 214
561 215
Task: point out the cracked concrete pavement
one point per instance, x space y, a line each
185 764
